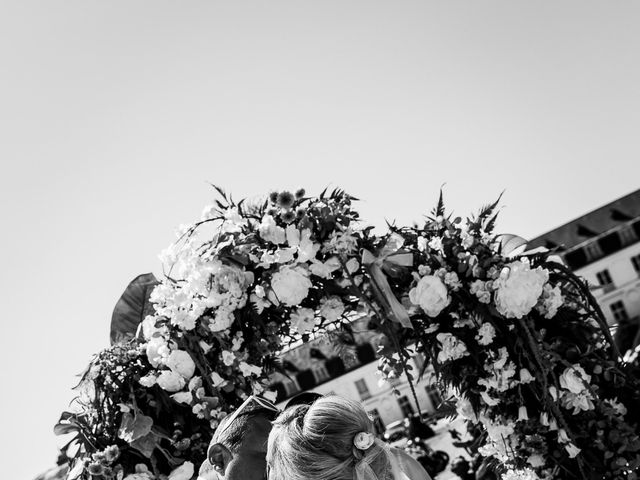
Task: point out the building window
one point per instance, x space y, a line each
434 396
405 406
363 390
610 243
618 311
627 235
635 261
378 424
604 277
593 251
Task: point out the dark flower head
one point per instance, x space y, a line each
300 193
288 216
112 453
96 469
99 457
300 213
285 199
272 211
273 197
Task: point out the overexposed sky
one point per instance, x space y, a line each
114 115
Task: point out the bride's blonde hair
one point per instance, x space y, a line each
315 442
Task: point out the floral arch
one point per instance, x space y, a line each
516 337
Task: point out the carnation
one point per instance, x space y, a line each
332 309
431 295
451 279
480 289
302 319
290 286
518 288
171 381
486 334
452 347
550 301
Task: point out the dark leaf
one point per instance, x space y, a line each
132 307
134 427
146 444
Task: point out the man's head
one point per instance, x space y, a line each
238 449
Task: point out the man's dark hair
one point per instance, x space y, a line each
304 398
234 434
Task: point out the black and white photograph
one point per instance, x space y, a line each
320 240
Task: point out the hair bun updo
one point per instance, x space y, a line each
317 441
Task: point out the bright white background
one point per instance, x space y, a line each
114 115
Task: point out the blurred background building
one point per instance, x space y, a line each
603 247
349 367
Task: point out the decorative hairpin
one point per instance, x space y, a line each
363 440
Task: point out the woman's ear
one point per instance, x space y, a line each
219 457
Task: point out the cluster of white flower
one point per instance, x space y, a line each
203 284
574 382
550 300
501 377
518 288
526 474
452 348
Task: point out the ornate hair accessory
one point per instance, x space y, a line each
363 440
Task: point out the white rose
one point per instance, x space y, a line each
303 319
270 231
574 379
518 288
171 381
181 362
431 294
183 472
290 286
